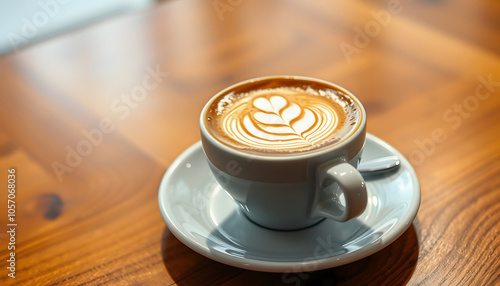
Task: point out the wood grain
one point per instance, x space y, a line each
421 73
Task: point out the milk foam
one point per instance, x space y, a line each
284 119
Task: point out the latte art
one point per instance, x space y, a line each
282 119
275 122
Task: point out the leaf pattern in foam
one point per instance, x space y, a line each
279 117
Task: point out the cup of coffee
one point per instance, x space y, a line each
286 148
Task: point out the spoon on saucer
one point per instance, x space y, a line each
379 165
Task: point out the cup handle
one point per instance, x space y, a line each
351 186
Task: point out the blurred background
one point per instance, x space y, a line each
28 22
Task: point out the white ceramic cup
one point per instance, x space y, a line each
293 191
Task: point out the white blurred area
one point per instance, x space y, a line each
25 22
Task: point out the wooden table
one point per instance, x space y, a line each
91 120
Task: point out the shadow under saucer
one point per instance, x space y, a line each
393 265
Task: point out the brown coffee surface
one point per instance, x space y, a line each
282 117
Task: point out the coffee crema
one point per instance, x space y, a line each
283 119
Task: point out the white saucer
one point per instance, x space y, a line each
201 215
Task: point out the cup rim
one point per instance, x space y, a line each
359 130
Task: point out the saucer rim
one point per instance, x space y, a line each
288 266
